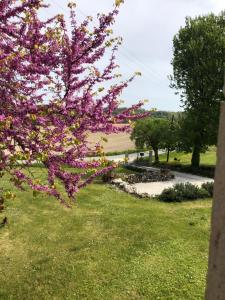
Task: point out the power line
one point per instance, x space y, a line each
131 56
134 64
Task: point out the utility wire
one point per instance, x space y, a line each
134 64
131 56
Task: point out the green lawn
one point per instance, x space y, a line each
109 246
207 158
181 161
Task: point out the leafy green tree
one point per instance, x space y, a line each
198 73
186 133
151 133
171 135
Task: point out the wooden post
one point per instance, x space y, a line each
215 289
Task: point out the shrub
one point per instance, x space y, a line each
203 193
107 177
206 171
183 191
187 191
169 195
208 186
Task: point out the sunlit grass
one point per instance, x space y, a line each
207 158
109 246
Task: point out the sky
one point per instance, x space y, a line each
147 28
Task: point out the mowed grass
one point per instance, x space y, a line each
207 158
109 246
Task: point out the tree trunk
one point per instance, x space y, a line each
156 152
195 160
168 154
216 270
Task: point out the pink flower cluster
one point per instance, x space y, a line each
51 95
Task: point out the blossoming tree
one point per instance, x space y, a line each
52 96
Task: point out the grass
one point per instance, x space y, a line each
109 246
181 161
208 158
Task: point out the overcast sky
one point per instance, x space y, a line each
147 28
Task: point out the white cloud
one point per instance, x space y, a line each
148 27
219 5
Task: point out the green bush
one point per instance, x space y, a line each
208 186
203 193
203 170
107 177
169 195
183 192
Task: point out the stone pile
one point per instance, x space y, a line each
149 176
127 187
127 182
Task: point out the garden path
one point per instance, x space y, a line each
155 188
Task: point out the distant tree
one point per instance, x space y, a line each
171 136
120 110
198 72
154 113
162 114
151 132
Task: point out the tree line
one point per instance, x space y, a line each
198 75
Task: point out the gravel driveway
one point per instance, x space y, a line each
155 188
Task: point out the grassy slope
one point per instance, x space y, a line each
207 158
109 246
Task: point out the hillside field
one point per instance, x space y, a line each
116 142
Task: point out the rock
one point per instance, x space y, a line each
122 184
132 190
149 176
126 184
126 187
117 181
145 195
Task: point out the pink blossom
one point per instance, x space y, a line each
49 97
2 118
